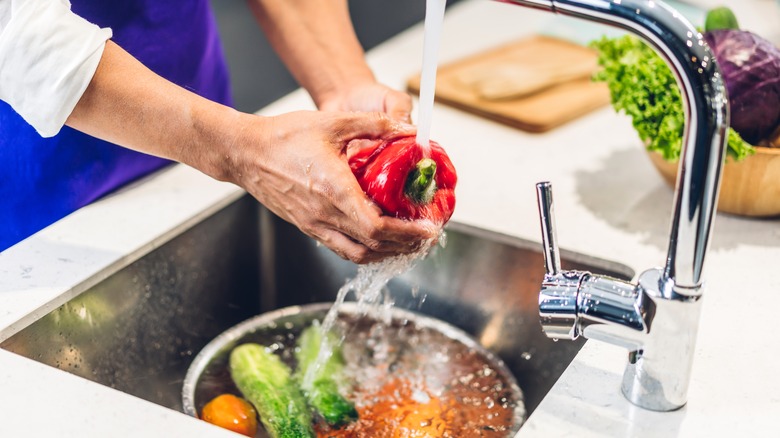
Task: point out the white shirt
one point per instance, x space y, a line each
48 56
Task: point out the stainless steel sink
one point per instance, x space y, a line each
138 330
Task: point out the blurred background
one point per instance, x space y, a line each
260 78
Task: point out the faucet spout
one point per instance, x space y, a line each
656 319
706 114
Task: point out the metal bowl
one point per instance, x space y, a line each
208 374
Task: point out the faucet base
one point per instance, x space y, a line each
658 374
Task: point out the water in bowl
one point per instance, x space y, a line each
414 375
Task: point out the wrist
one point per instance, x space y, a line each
216 149
329 95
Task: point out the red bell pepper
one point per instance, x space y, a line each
405 179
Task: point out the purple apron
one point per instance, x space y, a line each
45 179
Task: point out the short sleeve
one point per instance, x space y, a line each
48 56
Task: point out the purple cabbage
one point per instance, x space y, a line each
751 71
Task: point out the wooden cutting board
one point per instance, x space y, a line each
535 84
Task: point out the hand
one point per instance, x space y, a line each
295 164
372 96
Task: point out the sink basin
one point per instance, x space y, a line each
139 329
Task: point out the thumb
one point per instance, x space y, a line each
399 106
400 115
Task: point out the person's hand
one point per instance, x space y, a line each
372 97
295 164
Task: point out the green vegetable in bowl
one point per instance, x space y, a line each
266 382
643 87
321 386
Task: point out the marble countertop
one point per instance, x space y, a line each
610 203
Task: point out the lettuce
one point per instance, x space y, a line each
643 87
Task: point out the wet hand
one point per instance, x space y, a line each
295 164
372 97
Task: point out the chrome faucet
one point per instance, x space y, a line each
657 318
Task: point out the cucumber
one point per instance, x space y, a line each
266 382
720 18
322 388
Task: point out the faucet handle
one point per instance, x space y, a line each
560 289
552 259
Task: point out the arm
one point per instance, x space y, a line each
57 68
317 42
306 182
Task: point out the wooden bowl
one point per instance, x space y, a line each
750 187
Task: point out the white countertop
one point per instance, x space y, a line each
610 203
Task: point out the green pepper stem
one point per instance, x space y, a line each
421 182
